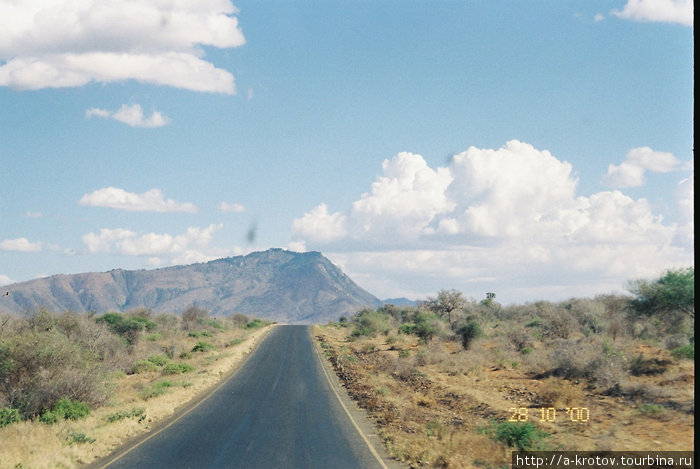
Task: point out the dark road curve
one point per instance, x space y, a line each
278 411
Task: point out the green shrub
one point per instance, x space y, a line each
407 329
79 438
203 347
65 409
9 416
71 410
369 322
684 351
159 360
143 366
523 436
121 415
254 324
177 368
468 332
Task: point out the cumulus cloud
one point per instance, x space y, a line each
149 201
228 207
5 280
191 246
131 115
20 245
508 218
630 173
66 43
665 11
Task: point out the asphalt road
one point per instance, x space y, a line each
278 411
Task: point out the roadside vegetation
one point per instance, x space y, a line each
74 386
458 382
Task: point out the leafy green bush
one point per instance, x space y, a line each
369 322
203 347
255 323
159 360
66 409
523 436
9 416
177 368
127 326
684 351
468 332
71 410
407 329
143 366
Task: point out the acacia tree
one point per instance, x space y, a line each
671 294
446 303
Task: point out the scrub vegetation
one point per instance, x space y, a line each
78 385
456 382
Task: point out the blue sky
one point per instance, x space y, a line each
539 150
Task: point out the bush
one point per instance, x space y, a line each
128 327
203 347
177 368
143 366
37 369
523 436
254 324
159 360
684 351
468 332
407 329
9 416
369 322
66 409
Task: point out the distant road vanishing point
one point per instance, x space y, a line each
279 410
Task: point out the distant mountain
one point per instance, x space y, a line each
400 302
279 285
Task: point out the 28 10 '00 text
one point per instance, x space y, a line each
550 414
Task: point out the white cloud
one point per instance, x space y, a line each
191 246
5 280
149 201
228 207
685 207
33 215
64 43
630 173
508 218
320 226
131 115
665 11
20 245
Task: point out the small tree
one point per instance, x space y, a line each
673 293
446 303
193 316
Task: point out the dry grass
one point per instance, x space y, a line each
430 401
67 444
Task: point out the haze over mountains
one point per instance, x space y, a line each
279 285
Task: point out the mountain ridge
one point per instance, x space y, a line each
276 284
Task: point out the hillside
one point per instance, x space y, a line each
275 284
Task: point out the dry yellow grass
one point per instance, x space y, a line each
68 444
430 402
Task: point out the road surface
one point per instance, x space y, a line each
278 411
